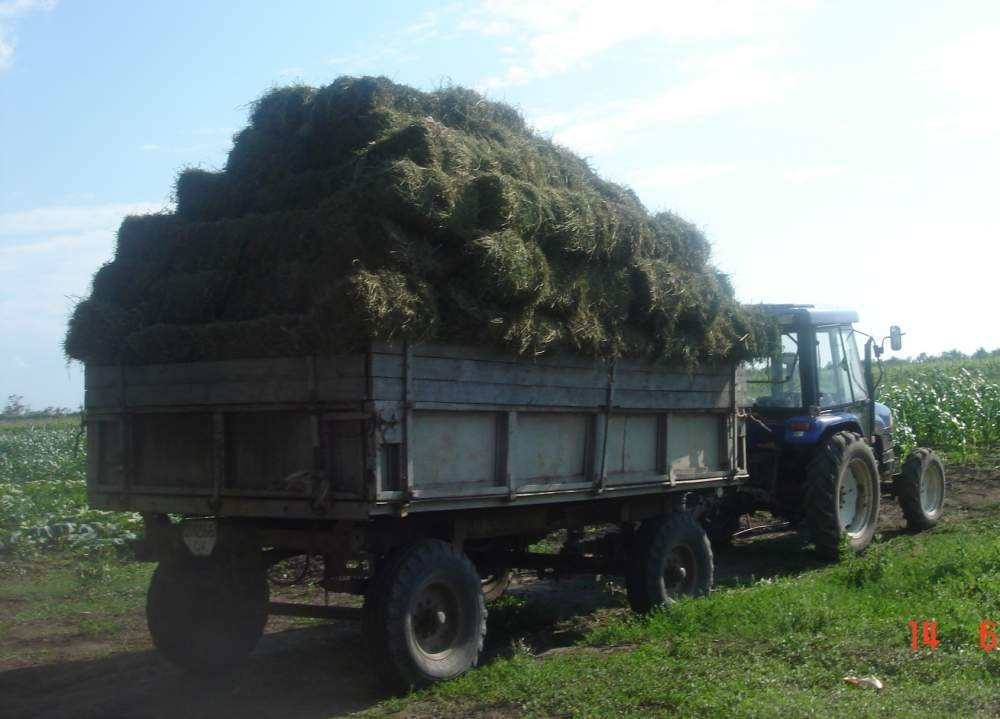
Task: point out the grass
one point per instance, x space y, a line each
779 648
58 603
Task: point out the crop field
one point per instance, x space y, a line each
776 638
951 405
42 493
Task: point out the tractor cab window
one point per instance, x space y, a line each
774 381
854 366
837 367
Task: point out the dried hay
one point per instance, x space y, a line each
368 209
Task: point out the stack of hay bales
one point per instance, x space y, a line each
366 209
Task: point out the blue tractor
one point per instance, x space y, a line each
820 449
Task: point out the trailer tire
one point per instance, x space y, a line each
428 601
206 616
842 495
720 524
920 489
672 558
495 583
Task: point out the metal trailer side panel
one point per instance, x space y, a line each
403 429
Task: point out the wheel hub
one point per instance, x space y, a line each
854 500
436 618
679 571
931 490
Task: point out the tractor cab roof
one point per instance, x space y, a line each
790 315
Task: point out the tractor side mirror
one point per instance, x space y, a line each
895 338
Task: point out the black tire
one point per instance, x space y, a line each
290 571
428 601
842 495
495 583
203 615
921 489
672 558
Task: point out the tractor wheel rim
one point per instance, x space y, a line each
436 619
855 498
931 489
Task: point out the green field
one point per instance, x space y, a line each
951 405
43 499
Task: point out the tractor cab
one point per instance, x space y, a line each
815 382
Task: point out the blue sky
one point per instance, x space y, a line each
835 152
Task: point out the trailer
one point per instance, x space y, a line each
421 473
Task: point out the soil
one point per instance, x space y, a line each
312 671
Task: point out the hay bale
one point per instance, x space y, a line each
146 238
203 195
505 269
122 283
97 331
387 304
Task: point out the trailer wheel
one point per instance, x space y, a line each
495 583
672 558
921 489
206 616
842 494
429 602
720 524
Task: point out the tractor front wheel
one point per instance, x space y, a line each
921 489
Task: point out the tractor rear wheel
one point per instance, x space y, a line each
842 494
921 489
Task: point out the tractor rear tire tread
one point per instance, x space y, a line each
821 492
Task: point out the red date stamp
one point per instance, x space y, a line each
925 634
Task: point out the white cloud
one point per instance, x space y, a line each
722 81
52 220
10 12
557 36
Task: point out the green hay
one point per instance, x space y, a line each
507 270
367 209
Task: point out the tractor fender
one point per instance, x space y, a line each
805 431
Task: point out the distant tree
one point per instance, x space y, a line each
922 357
953 355
980 353
15 406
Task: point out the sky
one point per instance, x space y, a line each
835 152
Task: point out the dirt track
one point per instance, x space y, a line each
320 671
